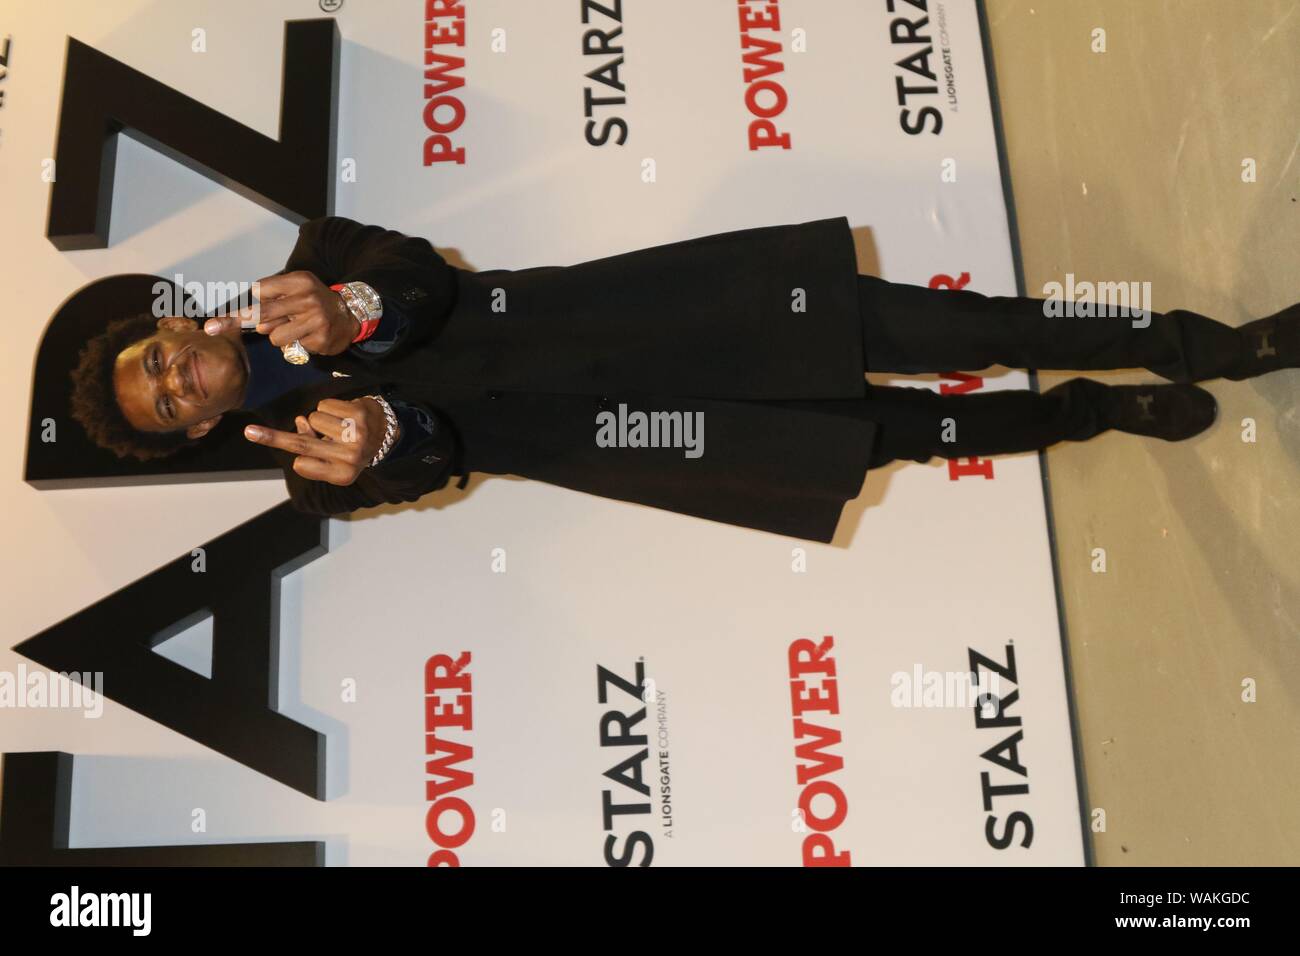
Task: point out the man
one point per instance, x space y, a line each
419 371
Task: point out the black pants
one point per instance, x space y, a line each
911 329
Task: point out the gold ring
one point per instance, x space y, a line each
295 354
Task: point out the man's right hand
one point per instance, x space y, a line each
295 305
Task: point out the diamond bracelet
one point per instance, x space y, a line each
390 430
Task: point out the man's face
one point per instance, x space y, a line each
180 378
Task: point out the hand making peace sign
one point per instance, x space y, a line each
335 443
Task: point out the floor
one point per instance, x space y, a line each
1132 164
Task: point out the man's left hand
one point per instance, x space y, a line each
335 443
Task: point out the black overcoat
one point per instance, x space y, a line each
515 365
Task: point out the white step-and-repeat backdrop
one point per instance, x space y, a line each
799 703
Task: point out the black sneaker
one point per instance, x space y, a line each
1171 412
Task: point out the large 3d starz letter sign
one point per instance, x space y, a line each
234 711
